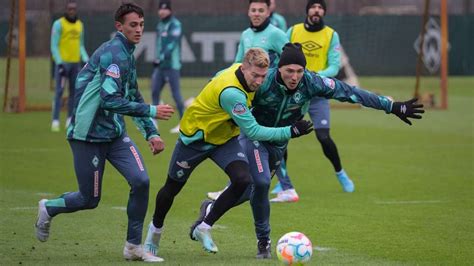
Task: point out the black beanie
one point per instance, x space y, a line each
312 2
292 54
164 4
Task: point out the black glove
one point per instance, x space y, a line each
300 128
156 63
407 109
61 70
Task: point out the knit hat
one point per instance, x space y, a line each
292 54
164 4
312 2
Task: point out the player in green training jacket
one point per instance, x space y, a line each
106 90
276 19
261 33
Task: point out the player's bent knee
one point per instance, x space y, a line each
90 203
322 134
262 184
140 183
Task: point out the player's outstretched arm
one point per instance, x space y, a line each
408 109
164 111
300 128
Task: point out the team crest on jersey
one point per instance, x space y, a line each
330 83
297 97
241 155
95 161
180 173
256 143
239 108
113 71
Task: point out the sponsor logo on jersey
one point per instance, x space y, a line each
239 108
176 32
277 163
258 161
126 139
137 158
113 71
183 164
330 83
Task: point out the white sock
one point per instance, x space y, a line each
204 226
154 229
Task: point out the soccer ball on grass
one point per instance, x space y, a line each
294 248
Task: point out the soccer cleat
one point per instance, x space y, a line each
264 247
137 253
288 195
204 236
152 241
345 181
202 214
277 188
43 222
175 130
55 126
215 195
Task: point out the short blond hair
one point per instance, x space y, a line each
256 57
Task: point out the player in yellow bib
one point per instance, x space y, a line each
210 128
67 48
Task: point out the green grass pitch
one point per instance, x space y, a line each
413 203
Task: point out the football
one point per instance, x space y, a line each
294 248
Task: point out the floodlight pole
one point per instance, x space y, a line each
444 54
21 54
9 52
419 61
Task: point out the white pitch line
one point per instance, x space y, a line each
23 208
44 194
410 202
28 150
217 226
120 208
323 249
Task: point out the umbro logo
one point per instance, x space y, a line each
183 164
311 46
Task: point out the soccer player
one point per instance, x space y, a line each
276 19
325 61
106 91
167 64
67 48
209 129
282 99
261 33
